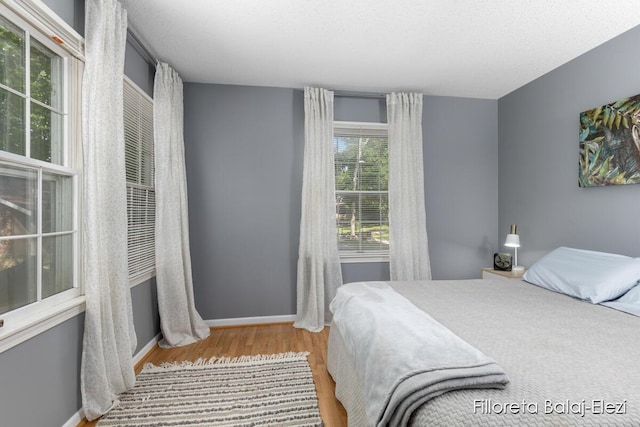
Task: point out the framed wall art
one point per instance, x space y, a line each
610 144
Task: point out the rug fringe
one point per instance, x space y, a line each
150 367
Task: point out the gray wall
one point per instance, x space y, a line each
244 167
461 184
538 139
146 320
71 12
40 378
351 109
244 150
138 69
40 383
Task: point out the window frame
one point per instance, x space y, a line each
370 255
43 25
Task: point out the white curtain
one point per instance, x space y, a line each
109 336
180 322
319 274
408 245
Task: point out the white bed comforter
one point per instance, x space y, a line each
404 357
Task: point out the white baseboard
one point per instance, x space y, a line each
79 416
251 320
146 349
75 419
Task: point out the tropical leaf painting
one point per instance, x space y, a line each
610 144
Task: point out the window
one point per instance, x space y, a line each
141 196
38 179
362 196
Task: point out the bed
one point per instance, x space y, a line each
569 362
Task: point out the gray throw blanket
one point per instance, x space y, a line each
402 356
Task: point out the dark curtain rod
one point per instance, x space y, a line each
345 94
141 48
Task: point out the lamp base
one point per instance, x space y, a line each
517 268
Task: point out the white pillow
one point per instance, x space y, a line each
631 297
588 275
629 302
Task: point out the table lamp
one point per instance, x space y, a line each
513 241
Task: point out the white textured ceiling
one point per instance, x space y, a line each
467 48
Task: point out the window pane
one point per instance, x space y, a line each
346 162
361 163
46 134
131 135
12 56
57 203
363 221
12 113
46 75
132 157
18 201
18 263
374 207
146 164
141 204
138 137
362 182
57 264
368 237
372 177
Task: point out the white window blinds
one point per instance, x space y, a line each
141 197
362 196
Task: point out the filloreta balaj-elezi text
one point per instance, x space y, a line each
565 407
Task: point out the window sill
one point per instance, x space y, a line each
363 258
12 335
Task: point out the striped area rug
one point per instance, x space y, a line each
265 390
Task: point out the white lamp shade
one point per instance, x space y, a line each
513 241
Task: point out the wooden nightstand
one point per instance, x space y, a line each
490 273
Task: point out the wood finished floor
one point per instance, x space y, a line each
262 339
